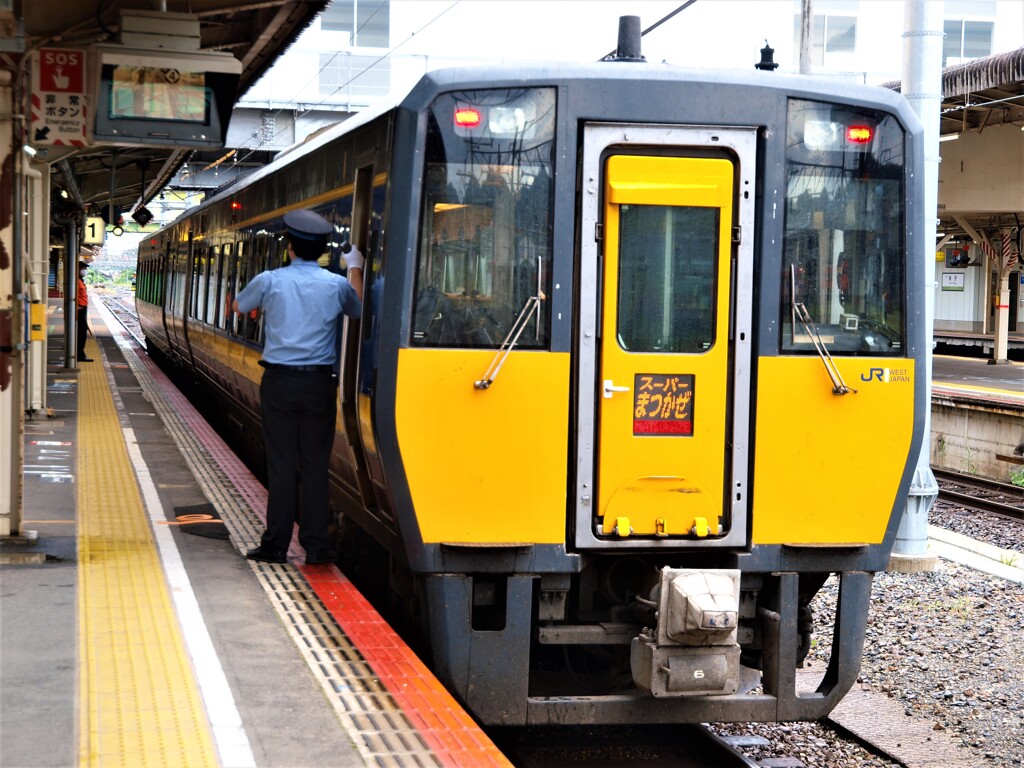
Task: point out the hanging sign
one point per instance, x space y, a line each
59 103
952 281
94 231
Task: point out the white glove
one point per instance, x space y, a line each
354 259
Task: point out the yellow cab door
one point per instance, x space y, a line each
664 359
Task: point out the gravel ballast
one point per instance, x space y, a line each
946 645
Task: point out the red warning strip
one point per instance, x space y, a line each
446 728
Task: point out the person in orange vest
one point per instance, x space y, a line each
83 312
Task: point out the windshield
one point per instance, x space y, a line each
844 240
486 222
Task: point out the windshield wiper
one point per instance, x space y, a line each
800 313
511 338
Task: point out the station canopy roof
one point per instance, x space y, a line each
982 93
255 32
977 95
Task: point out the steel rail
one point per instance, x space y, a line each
966 499
979 482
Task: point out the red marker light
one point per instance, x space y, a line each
859 134
235 205
467 117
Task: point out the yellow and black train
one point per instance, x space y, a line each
638 369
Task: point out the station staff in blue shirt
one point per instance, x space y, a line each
302 303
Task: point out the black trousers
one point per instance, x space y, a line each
298 410
83 329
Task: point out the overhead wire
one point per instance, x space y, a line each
350 80
369 67
660 21
386 55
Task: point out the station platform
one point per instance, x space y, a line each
977 417
974 379
957 342
133 632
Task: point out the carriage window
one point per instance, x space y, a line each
844 244
179 280
212 278
667 258
223 303
198 298
232 321
486 224
248 326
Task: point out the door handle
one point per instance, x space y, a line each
610 388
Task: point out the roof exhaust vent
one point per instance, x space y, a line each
629 41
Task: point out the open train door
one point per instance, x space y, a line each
664 382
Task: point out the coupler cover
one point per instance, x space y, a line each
693 649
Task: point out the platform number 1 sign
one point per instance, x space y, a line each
95 231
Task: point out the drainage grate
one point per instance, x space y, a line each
363 705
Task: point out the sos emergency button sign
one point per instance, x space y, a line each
59 104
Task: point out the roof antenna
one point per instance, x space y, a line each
629 41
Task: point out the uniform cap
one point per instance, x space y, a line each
307 225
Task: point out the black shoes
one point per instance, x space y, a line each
267 555
321 558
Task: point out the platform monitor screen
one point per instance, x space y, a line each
158 93
170 99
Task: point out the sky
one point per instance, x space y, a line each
711 33
720 34
581 30
585 29
426 34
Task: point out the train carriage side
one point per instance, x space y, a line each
650 333
151 286
196 266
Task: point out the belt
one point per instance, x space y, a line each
300 368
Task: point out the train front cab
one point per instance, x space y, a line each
741 358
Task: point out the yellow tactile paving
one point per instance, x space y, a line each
977 388
139 704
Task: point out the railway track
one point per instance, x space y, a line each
123 310
648 746
980 493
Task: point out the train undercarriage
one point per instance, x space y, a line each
588 647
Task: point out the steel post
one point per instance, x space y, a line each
922 87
